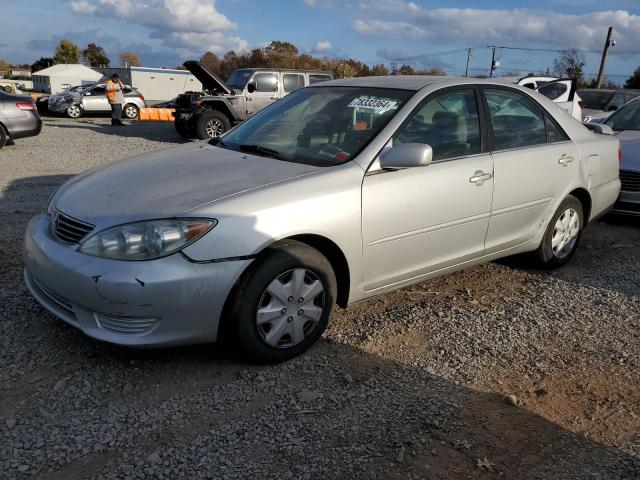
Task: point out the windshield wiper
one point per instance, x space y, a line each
260 149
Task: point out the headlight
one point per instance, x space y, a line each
146 240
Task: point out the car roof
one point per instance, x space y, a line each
413 82
610 90
293 70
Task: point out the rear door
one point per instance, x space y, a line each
534 161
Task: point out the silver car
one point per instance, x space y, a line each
625 122
94 100
336 193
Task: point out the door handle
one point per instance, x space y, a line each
479 177
275 98
564 160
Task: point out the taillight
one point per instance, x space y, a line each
581 103
619 154
141 97
25 106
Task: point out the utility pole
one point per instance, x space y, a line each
493 61
604 57
466 70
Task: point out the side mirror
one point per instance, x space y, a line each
599 128
252 87
406 155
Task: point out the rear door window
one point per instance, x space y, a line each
316 78
292 82
517 122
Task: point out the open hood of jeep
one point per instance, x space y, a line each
209 80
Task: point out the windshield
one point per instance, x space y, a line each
594 100
321 126
627 118
238 79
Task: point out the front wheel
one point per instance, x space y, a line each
130 111
282 304
211 124
74 111
562 235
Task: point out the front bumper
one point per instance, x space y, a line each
169 301
628 203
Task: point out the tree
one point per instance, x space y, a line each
95 56
281 54
212 62
41 64
379 70
129 59
67 52
570 64
5 67
634 80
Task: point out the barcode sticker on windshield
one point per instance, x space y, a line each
377 105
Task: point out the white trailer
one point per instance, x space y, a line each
157 84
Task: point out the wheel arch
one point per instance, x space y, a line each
221 107
584 198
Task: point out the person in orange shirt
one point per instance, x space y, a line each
114 89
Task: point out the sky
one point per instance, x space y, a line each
422 33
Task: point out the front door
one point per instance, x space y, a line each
419 220
95 100
266 92
533 162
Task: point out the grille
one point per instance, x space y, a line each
126 325
55 298
68 229
630 180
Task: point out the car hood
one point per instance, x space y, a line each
168 183
630 143
209 80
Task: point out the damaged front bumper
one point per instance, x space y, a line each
168 301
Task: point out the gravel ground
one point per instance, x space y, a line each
496 371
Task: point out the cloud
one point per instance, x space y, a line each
473 26
324 46
112 45
193 25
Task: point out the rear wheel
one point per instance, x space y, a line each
562 235
74 111
130 111
282 304
211 124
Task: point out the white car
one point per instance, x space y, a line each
561 90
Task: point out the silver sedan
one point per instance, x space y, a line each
335 193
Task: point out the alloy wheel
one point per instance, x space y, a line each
130 112
565 233
73 111
214 128
290 308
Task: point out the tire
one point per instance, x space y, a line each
562 236
74 111
8 89
3 136
130 111
283 268
211 124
